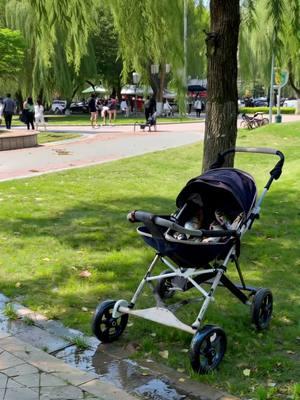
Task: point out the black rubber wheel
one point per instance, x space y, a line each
207 349
262 307
104 326
164 285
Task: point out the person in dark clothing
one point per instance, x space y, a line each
8 110
93 110
147 108
28 107
152 106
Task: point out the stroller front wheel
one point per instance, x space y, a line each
262 307
207 349
104 326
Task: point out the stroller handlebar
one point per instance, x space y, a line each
151 219
276 171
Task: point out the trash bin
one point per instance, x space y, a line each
278 118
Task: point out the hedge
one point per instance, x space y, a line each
265 110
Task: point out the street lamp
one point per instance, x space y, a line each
135 79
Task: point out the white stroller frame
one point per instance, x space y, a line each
165 316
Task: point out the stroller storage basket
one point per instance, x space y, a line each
186 253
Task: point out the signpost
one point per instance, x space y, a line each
281 77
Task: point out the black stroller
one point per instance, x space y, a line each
196 244
150 123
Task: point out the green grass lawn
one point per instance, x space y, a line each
55 226
47 137
84 119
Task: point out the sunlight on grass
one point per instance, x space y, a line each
55 227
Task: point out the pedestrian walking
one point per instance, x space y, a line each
167 109
1 110
112 109
124 107
198 107
93 111
28 108
39 115
9 107
104 112
147 108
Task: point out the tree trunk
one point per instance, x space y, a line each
221 107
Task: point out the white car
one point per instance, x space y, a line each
59 106
290 103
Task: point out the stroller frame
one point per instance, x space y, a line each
212 275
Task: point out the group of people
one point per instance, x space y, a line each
106 108
31 113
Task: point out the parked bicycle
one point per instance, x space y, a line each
256 121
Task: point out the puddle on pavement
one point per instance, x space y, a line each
123 373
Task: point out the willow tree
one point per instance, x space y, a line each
151 33
222 46
57 41
260 38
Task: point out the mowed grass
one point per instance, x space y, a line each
56 226
47 137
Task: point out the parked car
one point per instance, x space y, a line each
59 106
78 107
260 102
290 103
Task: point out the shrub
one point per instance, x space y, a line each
252 110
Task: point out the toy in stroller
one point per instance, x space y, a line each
150 123
196 244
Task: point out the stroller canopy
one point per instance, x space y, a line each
228 188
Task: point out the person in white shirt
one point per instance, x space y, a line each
124 107
167 109
198 107
39 115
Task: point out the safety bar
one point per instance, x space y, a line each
275 172
151 219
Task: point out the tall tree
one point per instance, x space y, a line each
221 106
12 53
57 41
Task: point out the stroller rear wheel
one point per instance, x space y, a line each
104 326
262 307
164 286
207 349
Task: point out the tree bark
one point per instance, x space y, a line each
222 95
291 79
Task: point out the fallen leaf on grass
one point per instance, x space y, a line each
164 354
184 350
246 372
84 309
18 284
85 274
290 352
46 259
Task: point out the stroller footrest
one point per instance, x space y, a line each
160 315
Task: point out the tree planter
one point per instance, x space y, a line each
11 140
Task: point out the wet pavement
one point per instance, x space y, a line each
40 355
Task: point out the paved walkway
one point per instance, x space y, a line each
94 147
37 362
